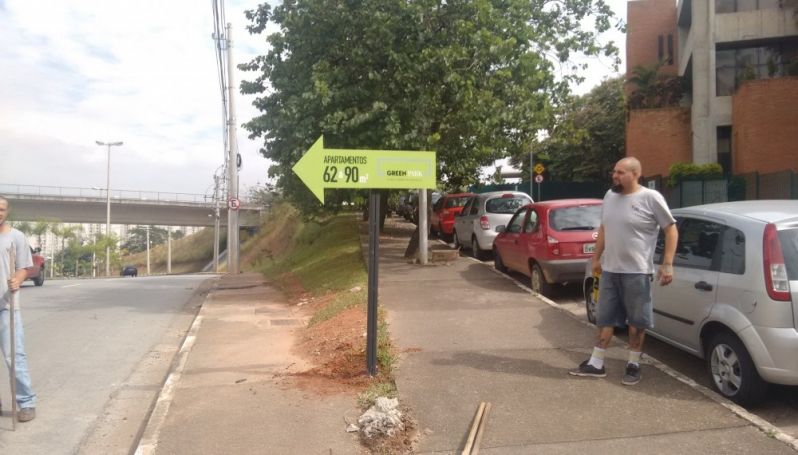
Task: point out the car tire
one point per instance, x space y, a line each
476 251
590 304
39 280
497 262
728 361
537 280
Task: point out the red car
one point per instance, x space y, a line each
36 273
444 211
549 241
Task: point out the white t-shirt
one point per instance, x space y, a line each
23 260
631 225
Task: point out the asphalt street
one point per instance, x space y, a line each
98 352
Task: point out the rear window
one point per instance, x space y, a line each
506 205
583 218
456 201
789 248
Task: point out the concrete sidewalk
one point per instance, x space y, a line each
470 334
227 395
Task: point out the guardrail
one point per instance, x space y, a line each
65 191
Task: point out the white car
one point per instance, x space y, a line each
475 226
734 296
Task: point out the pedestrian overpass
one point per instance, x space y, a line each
88 205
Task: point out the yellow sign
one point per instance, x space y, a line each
539 168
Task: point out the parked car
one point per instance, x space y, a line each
129 270
549 241
734 296
36 273
475 226
443 212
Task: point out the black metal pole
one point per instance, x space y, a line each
374 246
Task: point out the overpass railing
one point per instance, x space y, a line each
100 193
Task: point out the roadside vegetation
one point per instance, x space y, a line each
319 263
189 255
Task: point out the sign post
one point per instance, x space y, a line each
322 168
539 168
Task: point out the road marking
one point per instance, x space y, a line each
763 425
149 439
71 285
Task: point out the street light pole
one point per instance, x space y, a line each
108 203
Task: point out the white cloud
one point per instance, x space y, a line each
143 72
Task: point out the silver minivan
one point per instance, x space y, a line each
475 226
734 297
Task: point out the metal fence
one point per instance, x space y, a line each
546 191
66 191
750 186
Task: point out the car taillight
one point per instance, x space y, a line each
554 245
776 281
484 223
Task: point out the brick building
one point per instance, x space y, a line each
739 59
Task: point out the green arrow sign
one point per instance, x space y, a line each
322 168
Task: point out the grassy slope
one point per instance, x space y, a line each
189 254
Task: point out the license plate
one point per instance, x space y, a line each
589 248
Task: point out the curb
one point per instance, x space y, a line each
763 425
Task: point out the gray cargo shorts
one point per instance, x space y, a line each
625 299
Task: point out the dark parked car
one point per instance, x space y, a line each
129 270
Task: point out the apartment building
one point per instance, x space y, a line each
739 61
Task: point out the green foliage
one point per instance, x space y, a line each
472 80
587 138
653 89
679 172
137 238
368 397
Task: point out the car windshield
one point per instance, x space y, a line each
456 201
581 218
506 205
789 248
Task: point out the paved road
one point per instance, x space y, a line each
99 351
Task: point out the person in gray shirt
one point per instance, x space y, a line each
631 219
10 281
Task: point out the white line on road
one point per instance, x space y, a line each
71 285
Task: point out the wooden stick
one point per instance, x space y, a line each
473 432
481 430
11 322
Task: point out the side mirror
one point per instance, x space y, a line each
501 228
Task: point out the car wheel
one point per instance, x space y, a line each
478 252
732 370
39 280
590 302
538 280
497 262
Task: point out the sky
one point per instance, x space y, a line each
142 72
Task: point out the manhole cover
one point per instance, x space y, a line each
284 322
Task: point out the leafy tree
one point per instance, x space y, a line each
40 229
24 226
473 80
137 238
65 233
652 89
588 137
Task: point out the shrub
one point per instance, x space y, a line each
679 172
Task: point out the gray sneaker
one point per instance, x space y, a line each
632 375
26 414
588 370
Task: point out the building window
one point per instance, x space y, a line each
738 6
660 48
670 49
725 148
733 66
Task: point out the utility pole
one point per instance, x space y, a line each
169 250
216 197
232 163
148 250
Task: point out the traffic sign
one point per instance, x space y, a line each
234 204
539 168
538 178
322 168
